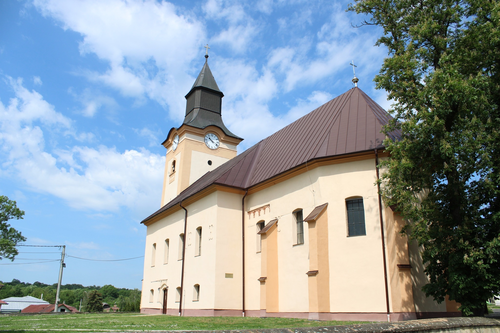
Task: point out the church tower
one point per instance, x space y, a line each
202 143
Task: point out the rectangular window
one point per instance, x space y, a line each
178 295
198 242
196 293
167 249
153 255
355 217
260 226
181 247
299 219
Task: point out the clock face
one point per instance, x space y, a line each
175 142
212 141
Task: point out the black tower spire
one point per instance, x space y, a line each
204 101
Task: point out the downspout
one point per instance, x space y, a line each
383 238
183 256
243 251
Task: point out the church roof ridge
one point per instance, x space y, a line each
350 123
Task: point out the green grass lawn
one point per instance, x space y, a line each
136 322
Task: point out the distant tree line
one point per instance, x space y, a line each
91 297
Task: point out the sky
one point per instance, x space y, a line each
89 90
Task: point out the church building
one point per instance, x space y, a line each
292 227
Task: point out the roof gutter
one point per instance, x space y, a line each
383 238
183 256
243 252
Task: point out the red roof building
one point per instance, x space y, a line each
46 308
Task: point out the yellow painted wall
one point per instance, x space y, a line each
350 275
401 289
419 279
228 265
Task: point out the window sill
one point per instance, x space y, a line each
348 236
298 244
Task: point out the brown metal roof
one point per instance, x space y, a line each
268 226
349 123
313 216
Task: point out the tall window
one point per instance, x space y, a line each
260 225
153 255
178 294
167 249
355 217
196 293
198 242
181 247
299 220
151 295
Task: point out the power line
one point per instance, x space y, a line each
39 245
49 259
36 252
104 259
30 263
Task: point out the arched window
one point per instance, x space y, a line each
355 217
178 294
299 226
260 225
173 166
197 251
181 247
167 249
151 295
153 255
196 293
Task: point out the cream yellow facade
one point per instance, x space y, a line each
292 227
329 276
192 158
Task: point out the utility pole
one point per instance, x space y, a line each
60 277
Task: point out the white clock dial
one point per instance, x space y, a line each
175 142
212 141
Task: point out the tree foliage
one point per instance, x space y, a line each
443 175
9 237
93 302
128 300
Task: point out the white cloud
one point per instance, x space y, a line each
133 36
37 80
151 136
101 179
93 101
241 28
265 6
238 37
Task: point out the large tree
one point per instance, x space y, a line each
443 175
9 237
93 303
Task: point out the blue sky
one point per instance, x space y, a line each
89 90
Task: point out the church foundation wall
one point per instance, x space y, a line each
339 316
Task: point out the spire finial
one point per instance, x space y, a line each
206 51
355 80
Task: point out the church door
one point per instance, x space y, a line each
165 294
